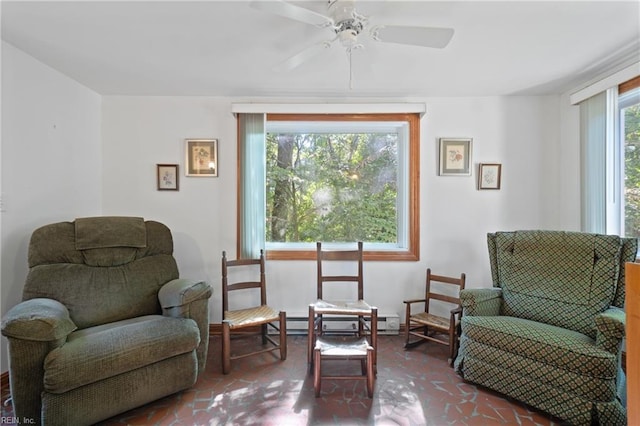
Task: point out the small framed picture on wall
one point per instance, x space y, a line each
489 175
167 175
455 157
201 157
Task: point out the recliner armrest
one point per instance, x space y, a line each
481 301
176 295
610 329
40 320
184 298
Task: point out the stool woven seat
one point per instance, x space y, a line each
344 349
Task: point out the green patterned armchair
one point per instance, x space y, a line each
549 332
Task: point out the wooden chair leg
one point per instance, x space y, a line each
456 345
374 340
407 329
283 335
311 337
407 325
317 378
370 373
226 348
452 347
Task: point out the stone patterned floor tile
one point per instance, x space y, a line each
416 387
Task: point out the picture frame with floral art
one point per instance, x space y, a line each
201 157
489 175
455 157
167 177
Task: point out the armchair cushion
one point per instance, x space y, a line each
104 232
96 353
548 344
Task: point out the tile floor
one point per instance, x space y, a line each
415 387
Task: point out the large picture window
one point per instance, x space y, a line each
338 178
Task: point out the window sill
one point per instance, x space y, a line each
369 255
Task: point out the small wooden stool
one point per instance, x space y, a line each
344 349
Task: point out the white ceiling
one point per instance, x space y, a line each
227 48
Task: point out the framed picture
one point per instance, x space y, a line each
455 157
201 157
489 176
167 177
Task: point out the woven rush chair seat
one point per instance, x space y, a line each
251 316
428 319
345 307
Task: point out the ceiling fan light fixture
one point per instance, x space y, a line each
349 39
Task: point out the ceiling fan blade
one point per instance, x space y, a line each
291 11
417 36
303 56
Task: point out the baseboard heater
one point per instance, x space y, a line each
297 323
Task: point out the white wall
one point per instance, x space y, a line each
67 152
522 133
51 160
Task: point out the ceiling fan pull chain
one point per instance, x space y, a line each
350 71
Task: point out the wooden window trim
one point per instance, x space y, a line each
629 85
412 253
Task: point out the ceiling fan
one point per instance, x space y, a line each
348 25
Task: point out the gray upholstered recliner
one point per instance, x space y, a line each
549 332
105 324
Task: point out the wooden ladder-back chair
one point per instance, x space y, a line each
359 343
427 326
263 315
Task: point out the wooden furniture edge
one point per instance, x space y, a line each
4 382
632 308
